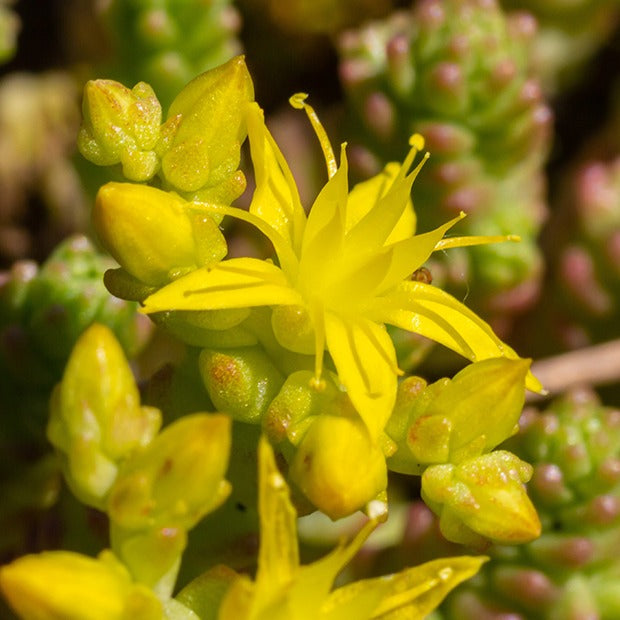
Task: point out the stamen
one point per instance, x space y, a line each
298 101
416 142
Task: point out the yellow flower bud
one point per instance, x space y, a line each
483 498
96 420
121 126
476 411
209 126
152 234
61 585
177 479
338 466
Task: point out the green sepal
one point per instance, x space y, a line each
123 285
205 328
297 403
204 594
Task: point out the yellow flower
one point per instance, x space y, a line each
285 590
343 272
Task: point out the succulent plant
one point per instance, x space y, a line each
43 310
570 33
457 71
583 297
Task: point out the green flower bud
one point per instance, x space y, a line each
57 585
240 381
297 403
121 126
96 420
337 465
482 498
477 410
152 234
203 154
177 479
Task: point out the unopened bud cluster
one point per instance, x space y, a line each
571 571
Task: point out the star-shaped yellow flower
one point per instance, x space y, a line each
343 273
284 589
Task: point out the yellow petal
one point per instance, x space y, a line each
366 364
276 199
278 558
235 283
410 254
417 591
315 580
364 195
378 224
61 584
433 313
326 223
411 594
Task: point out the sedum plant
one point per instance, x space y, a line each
341 273
570 33
294 346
